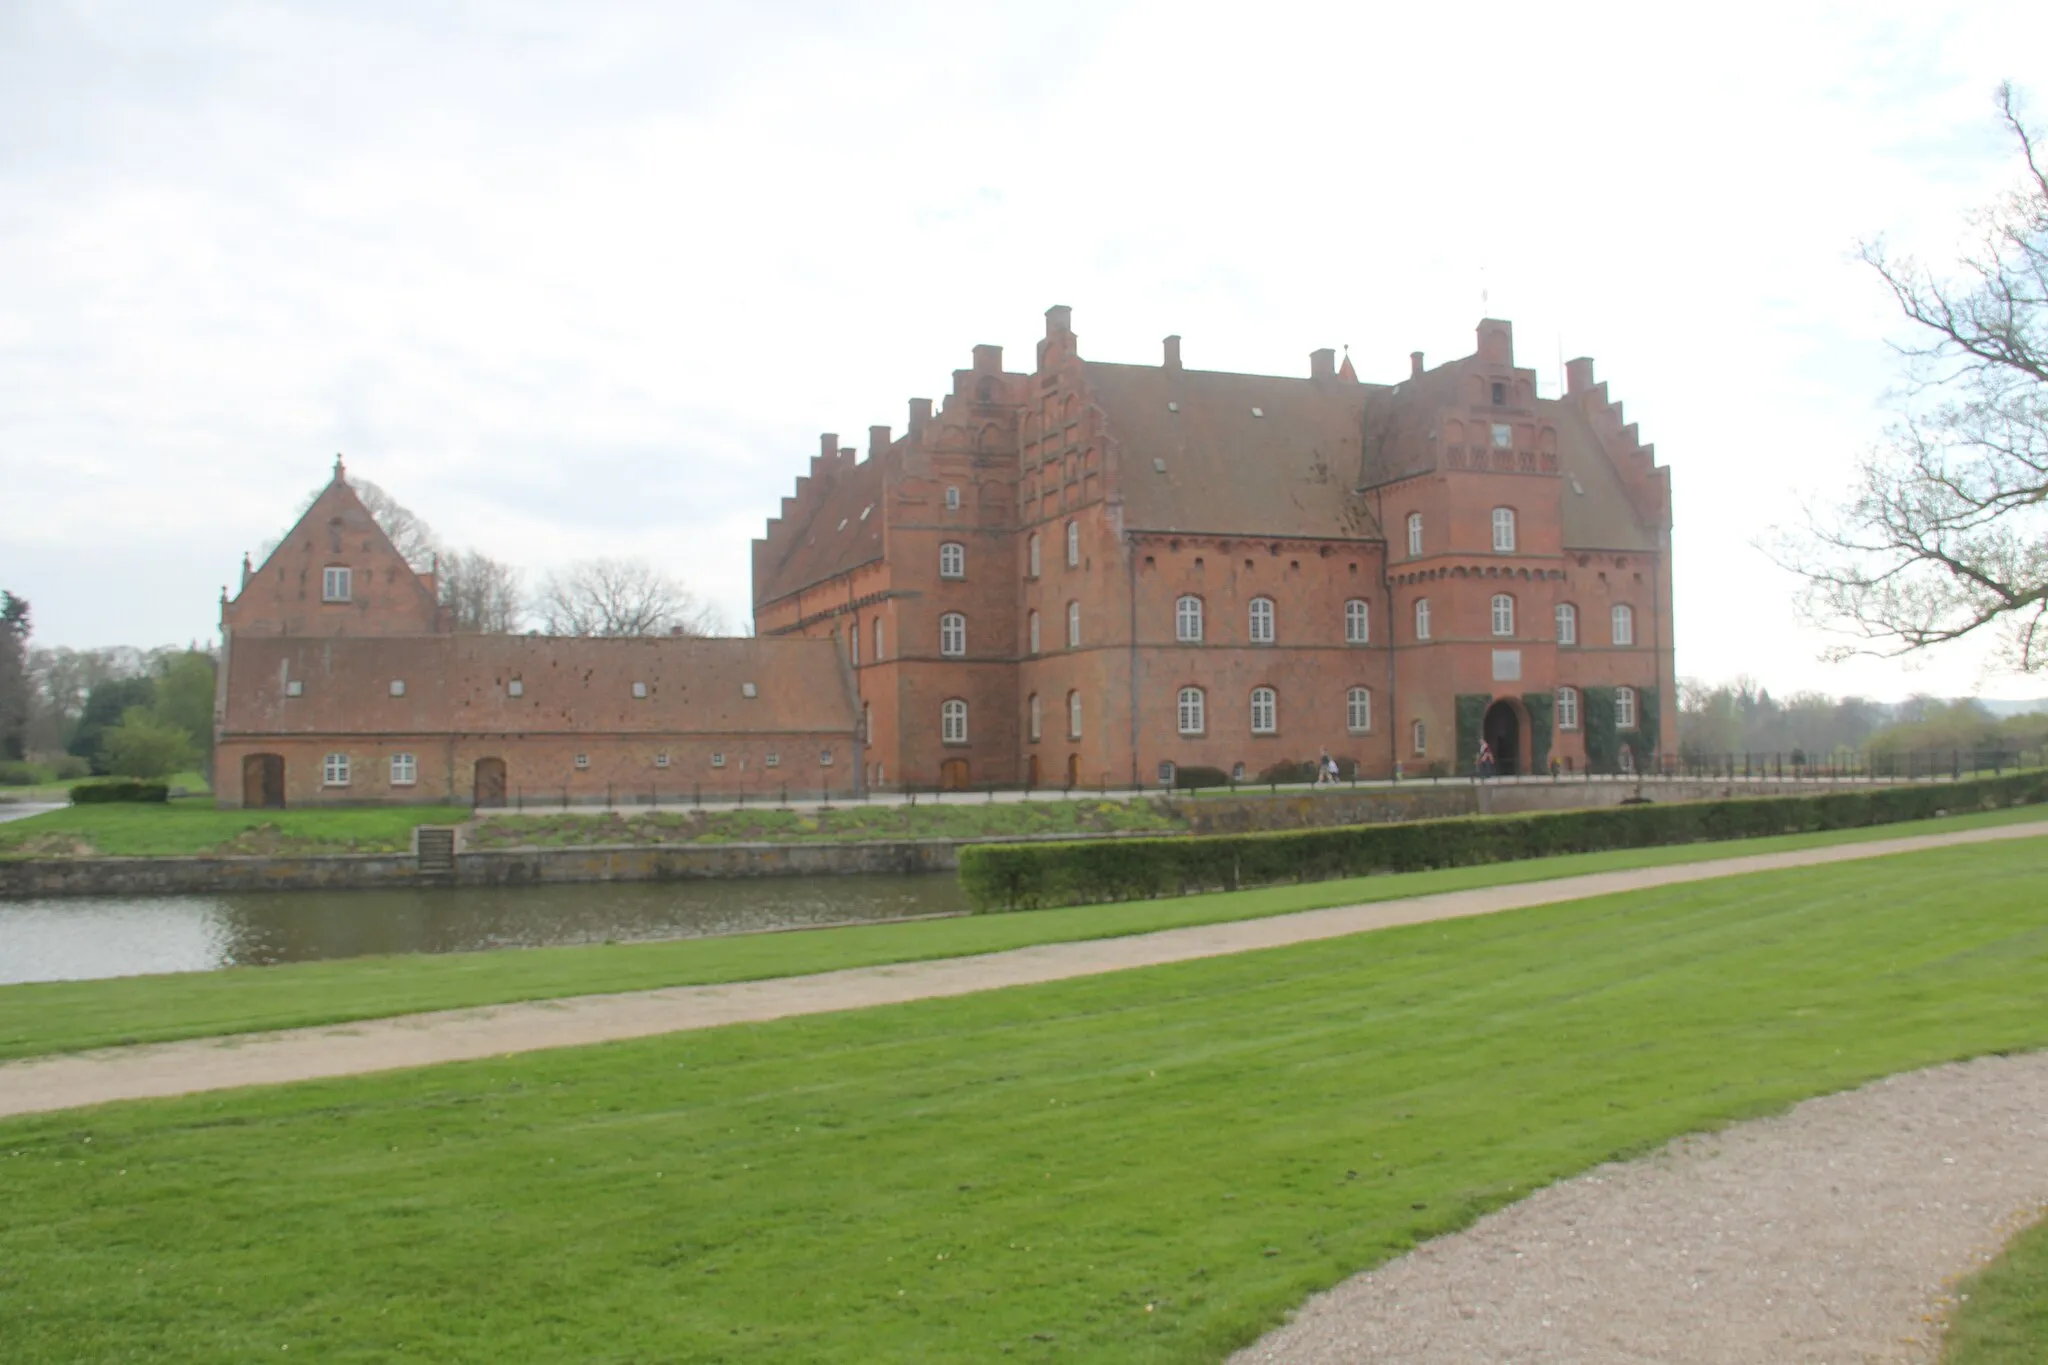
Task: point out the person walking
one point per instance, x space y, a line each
1485 759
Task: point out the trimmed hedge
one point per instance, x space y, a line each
1034 876
90 793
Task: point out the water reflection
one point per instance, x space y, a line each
73 938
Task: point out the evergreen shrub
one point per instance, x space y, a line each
1189 779
93 793
1000 877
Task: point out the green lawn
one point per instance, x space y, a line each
189 825
1150 1166
2002 1318
61 1016
962 818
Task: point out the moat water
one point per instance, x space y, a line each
77 938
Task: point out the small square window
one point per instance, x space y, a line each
718 760
661 760
515 688
1503 435
772 761
639 691
294 688
824 758
749 690
583 760
398 687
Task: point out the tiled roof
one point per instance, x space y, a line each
456 684
1207 451
1598 514
843 532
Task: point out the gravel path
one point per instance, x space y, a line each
1832 1233
69 1080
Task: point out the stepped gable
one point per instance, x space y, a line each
1616 496
455 684
830 525
285 596
1210 452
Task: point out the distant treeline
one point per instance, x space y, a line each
1742 717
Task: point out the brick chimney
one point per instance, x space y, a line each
1415 364
1323 364
920 413
988 359
1172 361
828 446
878 441
1059 319
1578 375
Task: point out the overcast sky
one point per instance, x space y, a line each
575 279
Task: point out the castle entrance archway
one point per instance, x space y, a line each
263 781
1503 733
490 783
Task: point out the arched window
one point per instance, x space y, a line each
1414 534
878 640
1503 614
1422 618
952 635
1624 708
1358 710
1187 620
1193 713
952 560
1418 733
1567 708
1357 622
1073 625
1567 624
1073 544
1073 715
1265 711
953 722
1624 625
1034 555
1262 621
1034 718
1033 627
1504 530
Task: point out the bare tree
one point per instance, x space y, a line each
482 594
1947 530
411 536
619 597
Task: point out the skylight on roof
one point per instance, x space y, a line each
1258 412
842 523
865 510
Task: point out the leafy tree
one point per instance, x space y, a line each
620 597
14 682
184 699
1946 533
143 745
104 708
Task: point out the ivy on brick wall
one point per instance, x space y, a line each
1603 744
1471 721
1642 741
1541 707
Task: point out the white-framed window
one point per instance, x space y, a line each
1624 625
771 759
953 721
1073 715
639 691
749 690
334 770
405 770
952 560
1503 434
1624 708
1265 711
1073 625
1187 620
1034 719
1358 622
1418 736
1503 614
1567 708
1193 711
1567 624
1034 555
398 687
1358 710
1504 530
952 635
1422 618
878 640
1031 629
661 760
824 758
515 687
718 760
336 583
1414 534
583 760
952 498
295 688
1262 621
1073 544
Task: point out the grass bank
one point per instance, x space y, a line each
963 818
191 825
1151 1166
62 1016
2001 1317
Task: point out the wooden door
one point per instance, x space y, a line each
953 774
490 783
263 781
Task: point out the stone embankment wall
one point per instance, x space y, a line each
620 863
